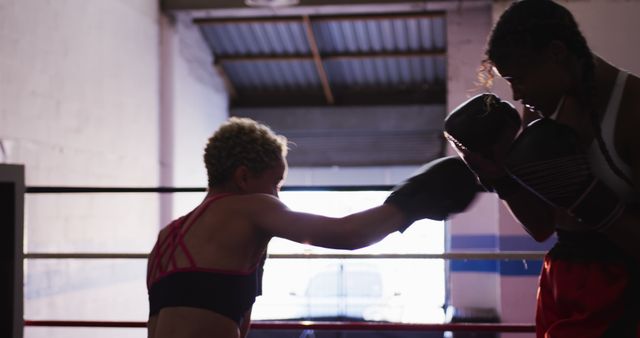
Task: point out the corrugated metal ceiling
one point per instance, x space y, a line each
331 60
338 81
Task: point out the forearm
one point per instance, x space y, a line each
368 227
354 231
349 232
536 216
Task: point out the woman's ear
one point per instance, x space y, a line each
241 176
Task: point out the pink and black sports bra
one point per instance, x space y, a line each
229 293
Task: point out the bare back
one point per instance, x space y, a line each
220 238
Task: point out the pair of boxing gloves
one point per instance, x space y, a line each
545 158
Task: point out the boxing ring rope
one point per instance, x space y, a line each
506 255
279 324
63 190
313 325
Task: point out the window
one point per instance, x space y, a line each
385 289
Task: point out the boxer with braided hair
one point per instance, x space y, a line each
574 170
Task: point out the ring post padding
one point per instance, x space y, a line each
12 190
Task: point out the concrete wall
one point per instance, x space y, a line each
72 74
79 107
193 104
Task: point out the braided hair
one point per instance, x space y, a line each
530 26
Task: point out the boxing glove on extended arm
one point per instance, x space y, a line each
440 188
547 159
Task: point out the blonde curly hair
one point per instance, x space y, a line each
242 141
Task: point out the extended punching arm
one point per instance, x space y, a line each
440 188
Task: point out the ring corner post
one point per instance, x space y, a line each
12 189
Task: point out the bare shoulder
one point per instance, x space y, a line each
255 206
163 233
258 201
262 211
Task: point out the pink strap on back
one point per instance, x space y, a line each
175 238
200 209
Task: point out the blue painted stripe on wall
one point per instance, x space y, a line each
489 266
487 242
505 268
475 242
524 243
499 243
521 268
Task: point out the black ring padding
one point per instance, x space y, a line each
63 190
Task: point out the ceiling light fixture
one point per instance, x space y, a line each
271 3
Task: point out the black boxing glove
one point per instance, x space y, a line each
548 160
478 123
441 187
485 125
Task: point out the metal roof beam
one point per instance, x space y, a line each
231 90
317 18
322 74
327 57
221 5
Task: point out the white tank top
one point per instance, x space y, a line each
598 162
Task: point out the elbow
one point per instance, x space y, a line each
539 233
355 232
353 243
357 239
341 240
351 235
539 229
541 238
542 234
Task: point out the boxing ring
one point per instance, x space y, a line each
13 190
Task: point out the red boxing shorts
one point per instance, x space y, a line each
586 299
